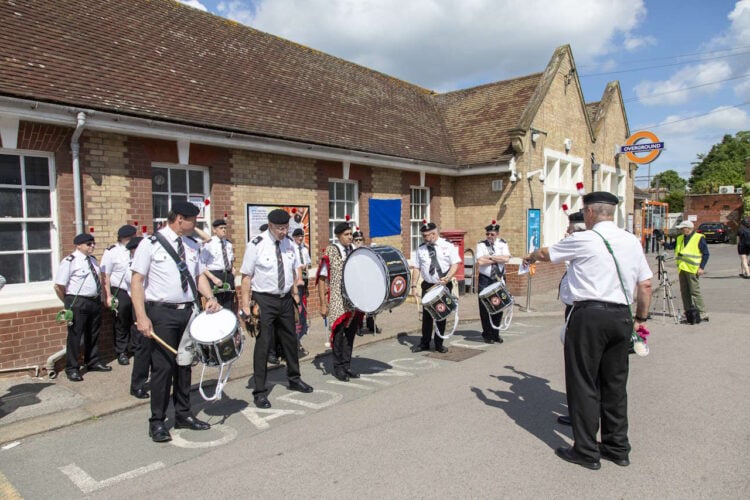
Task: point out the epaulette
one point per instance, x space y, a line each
257 240
422 244
289 238
153 239
111 247
70 258
503 240
228 240
191 239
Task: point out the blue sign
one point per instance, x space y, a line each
533 229
642 147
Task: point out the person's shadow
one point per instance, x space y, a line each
532 404
20 395
363 366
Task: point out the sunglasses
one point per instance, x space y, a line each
90 243
489 234
358 239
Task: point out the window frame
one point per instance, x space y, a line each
415 238
204 217
20 290
617 176
332 220
557 191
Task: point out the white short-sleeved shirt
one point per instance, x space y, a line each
162 283
213 255
447 255
500 247
342 250
592 274
74 274
303 254
116 264
260 262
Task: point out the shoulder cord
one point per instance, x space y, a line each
617 266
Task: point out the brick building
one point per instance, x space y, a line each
108 112
724 208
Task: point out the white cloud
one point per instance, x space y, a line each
680 84
634 43
721 118
444 44
196 4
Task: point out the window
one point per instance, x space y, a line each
613 180
172 183
419 210
27 216
342 201
562 173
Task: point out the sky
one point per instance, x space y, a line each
683 65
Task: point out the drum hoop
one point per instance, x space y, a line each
219 339
383 268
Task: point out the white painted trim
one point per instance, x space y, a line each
422 175
183 151
9 131
345 166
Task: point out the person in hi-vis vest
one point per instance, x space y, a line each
691 255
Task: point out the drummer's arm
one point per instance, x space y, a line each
247 293
450 274
212 278
204 287
322 290
414 280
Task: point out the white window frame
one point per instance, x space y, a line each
415 236
562 172
205 216
36 290
332 220
616 183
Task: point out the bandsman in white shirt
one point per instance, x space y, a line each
219 254
492 255
436 261
599 330
269 270
164 291
115 268
298 235
78 285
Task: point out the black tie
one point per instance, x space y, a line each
224 254
280 268
300 255
96 276
347 250
181 254
434 266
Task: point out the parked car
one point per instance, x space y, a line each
715 232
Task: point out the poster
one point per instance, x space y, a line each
256 215
533 232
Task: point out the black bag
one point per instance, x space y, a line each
693 316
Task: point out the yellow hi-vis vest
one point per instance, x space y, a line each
688 257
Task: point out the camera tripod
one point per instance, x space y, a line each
665 291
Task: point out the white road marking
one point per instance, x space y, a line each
88 484
292 397
255 415
350 384
390 372
11 445
229 433
419 364
474 345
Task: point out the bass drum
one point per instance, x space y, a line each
376 279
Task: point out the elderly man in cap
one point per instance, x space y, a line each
691 254
115 268
219 254
606 265
269 269
167 276
79 286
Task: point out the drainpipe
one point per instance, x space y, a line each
52 360
76 148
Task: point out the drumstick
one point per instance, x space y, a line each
163 344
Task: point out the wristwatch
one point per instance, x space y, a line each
641 320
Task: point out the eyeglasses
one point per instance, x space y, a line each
90 243
490 234
358 239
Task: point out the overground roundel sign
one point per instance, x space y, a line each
637 143
398 287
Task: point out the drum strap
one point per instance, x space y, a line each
180 265
434 264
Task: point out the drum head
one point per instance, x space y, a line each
210 327
365 280
493 288
433 293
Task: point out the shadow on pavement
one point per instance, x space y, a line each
532 404
20 395
364 366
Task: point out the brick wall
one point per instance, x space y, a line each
726 208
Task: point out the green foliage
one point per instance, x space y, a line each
746 198
724 165
670 180
676 200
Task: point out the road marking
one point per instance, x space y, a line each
390 372
334 397
420 364
350 384
475 345
261 422
88 484
7 490
11 445
229 433
365 377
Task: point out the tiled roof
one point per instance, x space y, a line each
163 60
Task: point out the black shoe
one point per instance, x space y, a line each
302 352
139 393
261 401
74 376
273 359
158 433
419 348
622 462
360 333
570 455
442 349
299 386
378 330
123 359
352 374
341 376
498 339
191 422
564 420
99 367
487 340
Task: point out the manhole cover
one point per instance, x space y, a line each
456 354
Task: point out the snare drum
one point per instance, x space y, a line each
376 278
496 298
439 302
218 339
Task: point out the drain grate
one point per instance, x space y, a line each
456 354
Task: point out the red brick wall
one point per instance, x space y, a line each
547 277
726 208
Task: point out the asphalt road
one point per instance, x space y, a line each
422 426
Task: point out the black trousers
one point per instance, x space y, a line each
427 321
87 320
487 331
596 374
166 375
141 357
226 299
343 343
122 321
276 320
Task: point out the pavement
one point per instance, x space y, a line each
34 405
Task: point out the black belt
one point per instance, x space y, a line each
598 304
276 295
170 305
95 298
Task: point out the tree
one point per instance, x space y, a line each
676 200
669 180
724 165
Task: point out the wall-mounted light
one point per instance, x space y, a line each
568 145
512 169
531 174
535 137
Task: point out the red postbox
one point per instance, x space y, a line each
456 236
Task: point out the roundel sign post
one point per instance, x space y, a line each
640 143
